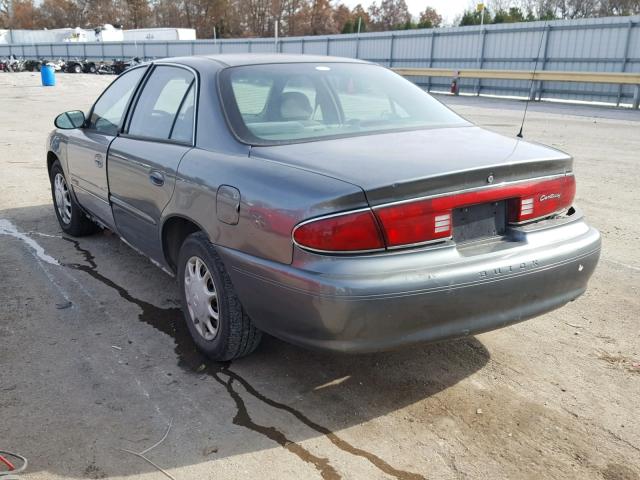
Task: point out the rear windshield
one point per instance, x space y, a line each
294 102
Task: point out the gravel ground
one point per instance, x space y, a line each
95 358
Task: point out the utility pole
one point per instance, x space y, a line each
480 8
275 31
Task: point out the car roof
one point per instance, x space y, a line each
237 59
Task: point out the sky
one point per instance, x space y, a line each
449 9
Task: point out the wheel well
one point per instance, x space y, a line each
51 157
174 232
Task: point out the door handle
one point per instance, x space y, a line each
156 178
98 160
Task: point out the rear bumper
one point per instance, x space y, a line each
383 301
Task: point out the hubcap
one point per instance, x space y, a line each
63 198
202 298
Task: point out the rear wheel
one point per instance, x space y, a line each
77 68
216 320
71 218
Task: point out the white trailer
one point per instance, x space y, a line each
167 34
108 33
78 35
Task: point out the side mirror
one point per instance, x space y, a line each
70 120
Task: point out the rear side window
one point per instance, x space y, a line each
107 113
160 103
183 127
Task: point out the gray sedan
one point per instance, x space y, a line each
326 201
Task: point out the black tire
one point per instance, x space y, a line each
79 224
77 68
92 68
236 334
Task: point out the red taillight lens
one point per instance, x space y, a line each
427 220
543 198
414 222
342 233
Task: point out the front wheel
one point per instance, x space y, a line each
218 324
71 218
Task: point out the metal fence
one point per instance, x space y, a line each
596 45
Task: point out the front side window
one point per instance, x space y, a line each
287 103
160 103
107 113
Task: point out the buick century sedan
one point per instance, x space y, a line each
326 201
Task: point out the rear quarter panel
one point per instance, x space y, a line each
273 198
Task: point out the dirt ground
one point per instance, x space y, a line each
95 358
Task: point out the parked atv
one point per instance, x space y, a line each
75 66
90 67
105 69
33 65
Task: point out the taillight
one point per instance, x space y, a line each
543 198
430 219
414 222
349 232
427 220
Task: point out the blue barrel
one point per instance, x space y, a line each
48 75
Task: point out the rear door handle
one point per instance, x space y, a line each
98 160
156 178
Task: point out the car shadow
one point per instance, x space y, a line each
281 393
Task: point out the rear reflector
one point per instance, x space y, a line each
429 219
350 232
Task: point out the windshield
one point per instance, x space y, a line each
288 103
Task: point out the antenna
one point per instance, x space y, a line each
533 77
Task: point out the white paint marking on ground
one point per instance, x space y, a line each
40 234
623 264
52 280
8 228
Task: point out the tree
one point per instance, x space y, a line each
61 14
295 17
247 18
342 18
321 21
360 15
430 18
512 16
390 15
23 14
473 17
5 14
166 12
99 12
139 13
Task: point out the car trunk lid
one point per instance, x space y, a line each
398 166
